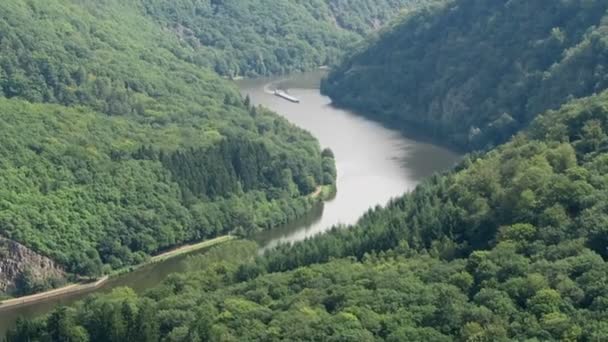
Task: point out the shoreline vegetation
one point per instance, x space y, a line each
89 285
509 244
451 101
109 156
244 77
322 193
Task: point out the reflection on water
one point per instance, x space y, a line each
374 164
270 238
139 280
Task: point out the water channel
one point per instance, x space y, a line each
374 164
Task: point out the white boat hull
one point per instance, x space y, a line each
286 96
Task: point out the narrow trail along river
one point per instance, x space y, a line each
374 165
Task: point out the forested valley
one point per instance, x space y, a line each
120 140
117 144
511 244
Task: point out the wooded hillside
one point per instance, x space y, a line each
471 73
117 144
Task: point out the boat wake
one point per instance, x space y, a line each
274 85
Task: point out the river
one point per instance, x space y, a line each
374 164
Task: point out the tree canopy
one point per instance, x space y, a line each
117 143
510 245
470 73
264 37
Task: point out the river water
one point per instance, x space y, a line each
374 164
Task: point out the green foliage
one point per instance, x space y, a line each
538 187
116 144
263 37
27 283
508 246
470 73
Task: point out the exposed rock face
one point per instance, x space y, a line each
15 259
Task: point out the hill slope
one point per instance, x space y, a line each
511 246
471 73
262 37
116 144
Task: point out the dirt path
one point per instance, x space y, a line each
81 287
69 289
190 248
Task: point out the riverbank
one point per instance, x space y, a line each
324 192
374 164
68 289
90 286
190 248
185 249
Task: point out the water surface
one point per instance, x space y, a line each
374 164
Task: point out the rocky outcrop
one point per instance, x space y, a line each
17 260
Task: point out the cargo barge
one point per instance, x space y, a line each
286 96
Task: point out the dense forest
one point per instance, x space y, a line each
263 37
117 144
470 73
511 245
